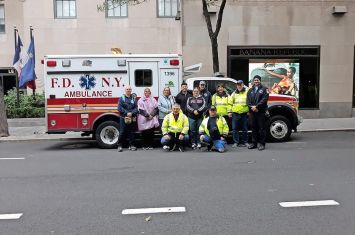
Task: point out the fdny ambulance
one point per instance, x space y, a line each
82 91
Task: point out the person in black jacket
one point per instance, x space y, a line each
127 106
182 97
205 93
257 98
196 106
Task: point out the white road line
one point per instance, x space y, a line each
309 203
153 210
10 216
14 158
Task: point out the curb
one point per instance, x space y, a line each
328 130
5 140
22 139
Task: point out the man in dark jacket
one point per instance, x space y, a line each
205 93
127 106
182 97
257 98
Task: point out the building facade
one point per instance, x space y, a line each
315 38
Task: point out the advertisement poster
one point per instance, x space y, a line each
280 77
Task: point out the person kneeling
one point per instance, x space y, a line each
213 131
174 129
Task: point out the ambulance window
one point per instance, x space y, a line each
143 77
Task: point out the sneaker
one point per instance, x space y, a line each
132 148
221 150
234 145
252 146
150 148
199 146
241 145
166 147
193 146
145 148
119 149
261 147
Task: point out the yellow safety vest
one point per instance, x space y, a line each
181 125
221 124
221 104
238 101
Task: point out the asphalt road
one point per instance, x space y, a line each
76 188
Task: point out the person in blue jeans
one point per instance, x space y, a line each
239 113
214 130
196 106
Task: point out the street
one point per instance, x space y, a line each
73 187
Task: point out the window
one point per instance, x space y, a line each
143 77
2 19
167 8
116 10
65 8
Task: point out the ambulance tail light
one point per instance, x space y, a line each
174 62
51 63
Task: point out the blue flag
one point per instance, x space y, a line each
17 63
28 71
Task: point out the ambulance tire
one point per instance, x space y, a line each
278 129
106 134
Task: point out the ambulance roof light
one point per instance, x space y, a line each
174 62
51 63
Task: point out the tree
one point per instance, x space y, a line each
110 4
4 128
213 34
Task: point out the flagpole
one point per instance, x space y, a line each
34 89
17 81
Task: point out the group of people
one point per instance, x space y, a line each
195 118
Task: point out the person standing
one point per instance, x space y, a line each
240 109
205 93
214 130
175 130
127 106
257 98
196 106
220 101
182 97
165 104
147 118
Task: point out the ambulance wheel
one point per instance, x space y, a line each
278 129
107 134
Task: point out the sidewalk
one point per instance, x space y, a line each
34 128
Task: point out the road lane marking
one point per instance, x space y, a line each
10 216
309 203
153 210
12 158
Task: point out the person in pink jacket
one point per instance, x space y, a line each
147 118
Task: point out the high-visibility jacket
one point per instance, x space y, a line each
238 101
221 104
181 125
221 124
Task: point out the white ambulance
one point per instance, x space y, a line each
82 91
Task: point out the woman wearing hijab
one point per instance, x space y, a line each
147 118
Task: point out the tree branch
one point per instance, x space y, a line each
207 18
219 19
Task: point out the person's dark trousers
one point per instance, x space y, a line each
126 130
194 125
229 121
148 138
240 124
160 122
175 140
258 123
